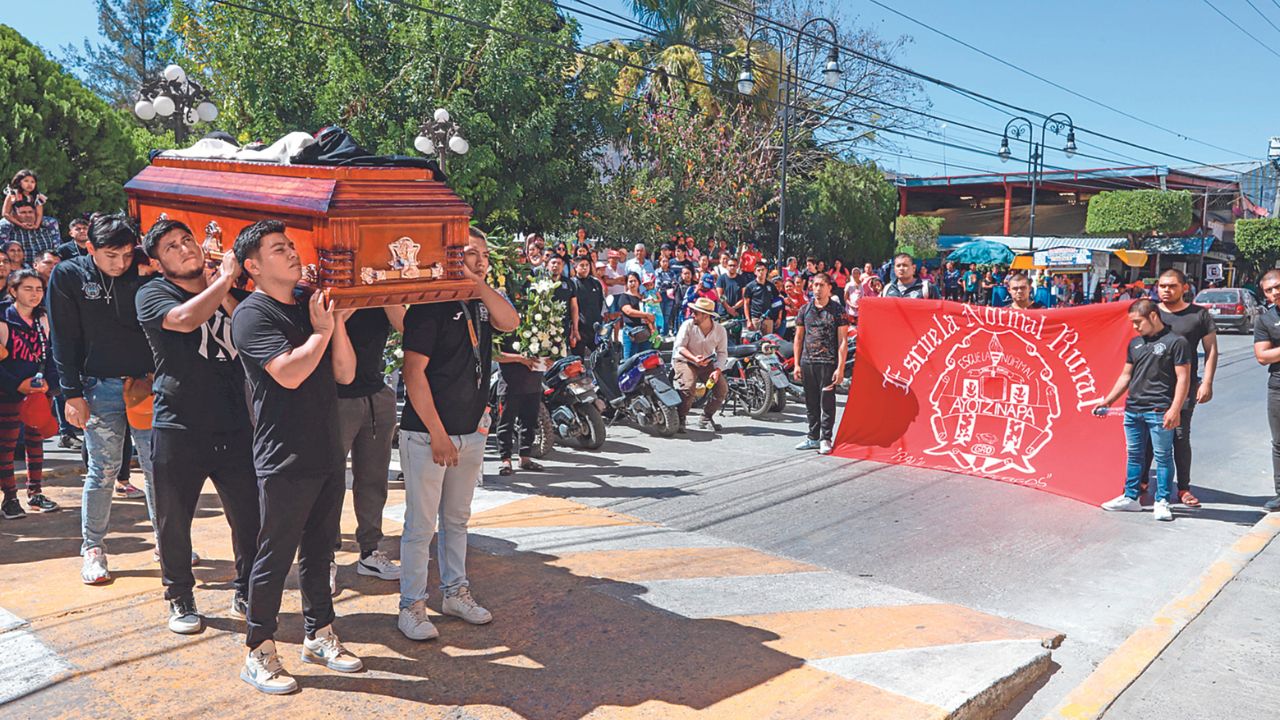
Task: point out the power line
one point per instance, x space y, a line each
1239 27
1057 85
1264 17
633 25
952 86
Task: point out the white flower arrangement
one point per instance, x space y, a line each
541 332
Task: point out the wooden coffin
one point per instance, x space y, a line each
368 236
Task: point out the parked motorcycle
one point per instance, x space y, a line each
570 397
639 389
784 350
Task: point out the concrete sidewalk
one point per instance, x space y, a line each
1225 663
598 614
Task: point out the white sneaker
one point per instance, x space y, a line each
328 651
184 619
460 604
415 624
94 570
807 444
1124 503
1161 510
333 578
378 565
824 448
263 670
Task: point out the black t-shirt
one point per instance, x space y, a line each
760 298
1266 328
368 329
731 288
1153 381
626 300
199 382
564 293
590 294
1193 323
295 432
821 339
458 371
517 379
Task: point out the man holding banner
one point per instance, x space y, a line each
905 283
1156 376
1020 292
821 350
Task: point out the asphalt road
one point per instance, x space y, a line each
1002 549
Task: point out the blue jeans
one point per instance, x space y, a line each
104 442
1139 430
434 491
628 348
670 323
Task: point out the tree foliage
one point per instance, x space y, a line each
1139 213
81 149
138 44
847 212
380 69
917 235
1259 240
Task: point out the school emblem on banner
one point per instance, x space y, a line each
994 404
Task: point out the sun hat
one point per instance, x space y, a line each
704 305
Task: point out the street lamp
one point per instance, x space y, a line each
439 136
789 77
176 99
1019 127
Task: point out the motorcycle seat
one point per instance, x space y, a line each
743 351
631 362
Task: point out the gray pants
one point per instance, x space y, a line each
367 425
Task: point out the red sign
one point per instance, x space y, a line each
994 392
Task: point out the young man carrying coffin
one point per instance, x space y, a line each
295 351
201 425
447 351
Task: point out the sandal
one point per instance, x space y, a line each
531 466
505 469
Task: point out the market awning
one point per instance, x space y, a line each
1132 258
1178 245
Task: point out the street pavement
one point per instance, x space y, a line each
718 570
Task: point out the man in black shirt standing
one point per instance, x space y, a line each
366 422
201 426
447 352
75 247
1156 376
760 294
564 293
1266 349
100 350
1196 326
821 350
294 351
905 284
590 296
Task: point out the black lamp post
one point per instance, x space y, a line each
176 100
1020 126
440 136
789 77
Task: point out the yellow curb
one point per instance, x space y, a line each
1092 698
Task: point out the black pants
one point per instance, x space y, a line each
522 408
1181 445
300 516
819 403
1273 416
181 460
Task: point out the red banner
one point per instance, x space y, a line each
994 392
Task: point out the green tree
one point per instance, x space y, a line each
138 44
82 150
1139 214
1259 240
917 235
380 69
847 213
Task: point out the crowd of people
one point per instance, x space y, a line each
119 338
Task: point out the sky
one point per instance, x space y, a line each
1174 63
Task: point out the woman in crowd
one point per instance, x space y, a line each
635 321
839 275
26 374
